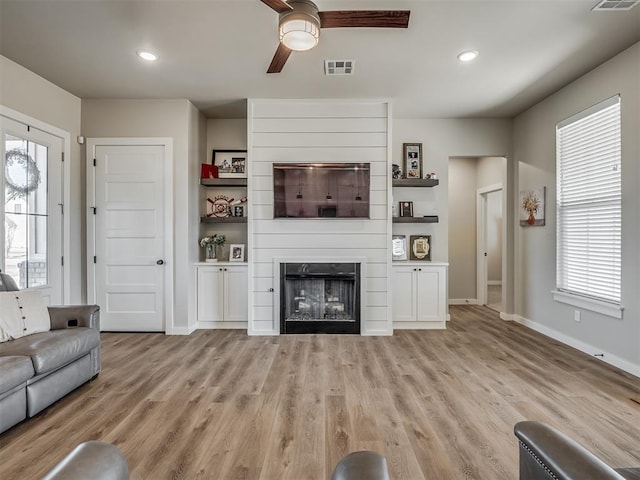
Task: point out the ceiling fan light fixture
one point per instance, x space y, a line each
147 55
468 55
300 27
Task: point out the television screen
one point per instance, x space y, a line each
321 190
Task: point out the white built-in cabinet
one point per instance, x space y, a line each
222 295
419 295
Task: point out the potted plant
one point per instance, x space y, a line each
210 243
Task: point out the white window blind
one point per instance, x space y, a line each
589 220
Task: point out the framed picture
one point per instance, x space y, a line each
532 207
420 247
406 209
412 154
399 247
230 163
238 211
236 252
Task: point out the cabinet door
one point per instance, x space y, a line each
429 295
404 304
209 294
235 294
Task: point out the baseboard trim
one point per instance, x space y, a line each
463 301
183 330
590 350
509 317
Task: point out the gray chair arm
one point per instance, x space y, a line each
91 460
66 316
361 466
544 449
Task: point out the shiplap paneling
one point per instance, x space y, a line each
320 108
318 131
313 125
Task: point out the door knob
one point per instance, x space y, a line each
160 262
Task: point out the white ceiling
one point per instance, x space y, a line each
216 52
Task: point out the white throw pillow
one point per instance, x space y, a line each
22 313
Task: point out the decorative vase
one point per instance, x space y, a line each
531 220
210 253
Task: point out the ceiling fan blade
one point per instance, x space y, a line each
279 59
364 18
278 5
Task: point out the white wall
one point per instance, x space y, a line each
179 120
25 92
318 131
534 150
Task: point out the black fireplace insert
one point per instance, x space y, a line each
320 298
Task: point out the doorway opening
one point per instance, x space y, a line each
477 231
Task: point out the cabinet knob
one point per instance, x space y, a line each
225 269
160 262
220 269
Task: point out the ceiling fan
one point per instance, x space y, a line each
300 23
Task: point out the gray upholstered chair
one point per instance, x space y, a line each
364 465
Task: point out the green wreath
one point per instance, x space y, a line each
21 174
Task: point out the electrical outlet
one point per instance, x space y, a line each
576 315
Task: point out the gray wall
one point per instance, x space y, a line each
534 151
32 95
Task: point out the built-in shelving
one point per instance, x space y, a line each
415 182
223 219
223 182
426 219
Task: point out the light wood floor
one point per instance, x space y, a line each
438 404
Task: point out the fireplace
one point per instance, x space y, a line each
320 298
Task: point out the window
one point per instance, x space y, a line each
588 208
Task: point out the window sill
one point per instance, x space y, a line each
605 308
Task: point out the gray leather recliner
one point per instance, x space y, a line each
546 453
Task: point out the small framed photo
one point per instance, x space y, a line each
236 252
420 247
238 211
412 154
406 209
399 247
230 163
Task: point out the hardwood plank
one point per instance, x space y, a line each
437 404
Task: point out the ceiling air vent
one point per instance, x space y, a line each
339 67
613 5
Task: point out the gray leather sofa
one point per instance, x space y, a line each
546 453
91 460
36 370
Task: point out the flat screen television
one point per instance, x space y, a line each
321 190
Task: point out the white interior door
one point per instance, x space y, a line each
32 185
129 236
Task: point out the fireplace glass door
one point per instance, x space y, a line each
320 298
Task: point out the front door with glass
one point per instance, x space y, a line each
32 215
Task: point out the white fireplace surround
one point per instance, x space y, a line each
318 131
362 261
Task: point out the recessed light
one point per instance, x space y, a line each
468 56
147 55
